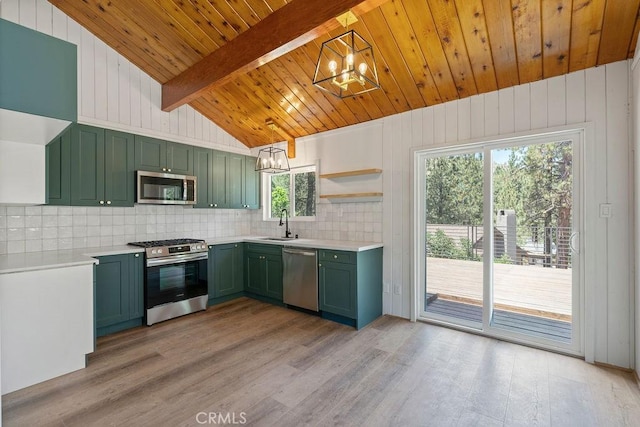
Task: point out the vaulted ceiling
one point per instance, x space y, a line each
427 52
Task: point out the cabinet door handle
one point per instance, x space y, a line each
108 202
210 205
169 169
335 257
102 202
215 205
319 265
164 169
137 255
235 246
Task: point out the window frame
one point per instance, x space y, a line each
266 191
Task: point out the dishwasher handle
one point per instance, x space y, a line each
298 252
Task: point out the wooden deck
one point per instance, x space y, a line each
541 327
525 289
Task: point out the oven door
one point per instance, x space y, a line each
175 278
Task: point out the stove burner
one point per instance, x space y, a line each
168 242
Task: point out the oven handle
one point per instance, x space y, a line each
176 259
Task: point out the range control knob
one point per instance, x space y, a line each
153 251
160 251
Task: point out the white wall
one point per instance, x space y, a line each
114 93
22 173
636 158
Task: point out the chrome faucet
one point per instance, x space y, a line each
287 232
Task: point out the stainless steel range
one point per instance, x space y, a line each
175 278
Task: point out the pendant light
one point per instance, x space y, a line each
272 159
346 66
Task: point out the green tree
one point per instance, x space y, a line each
279 194
454 189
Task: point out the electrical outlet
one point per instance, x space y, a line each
396 289
606 210
386 288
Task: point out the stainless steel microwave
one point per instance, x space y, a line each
165 188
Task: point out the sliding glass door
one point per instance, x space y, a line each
501 244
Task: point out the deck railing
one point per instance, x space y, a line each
540 246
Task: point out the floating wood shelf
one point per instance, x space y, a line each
350 173
351 195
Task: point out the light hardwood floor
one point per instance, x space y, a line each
274 366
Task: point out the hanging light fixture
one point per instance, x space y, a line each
272 159
346 66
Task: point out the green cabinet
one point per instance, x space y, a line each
90 166
350 286
39 73
231 180
119 303
226 271
101 167
157 155
251 184
263 265
219 174
203 171
58 173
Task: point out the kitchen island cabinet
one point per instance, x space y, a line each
119 293
263 265
350 286
226 272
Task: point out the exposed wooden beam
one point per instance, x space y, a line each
286 29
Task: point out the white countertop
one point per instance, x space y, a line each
30 261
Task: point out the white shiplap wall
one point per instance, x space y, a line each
114 93
599 96
636 158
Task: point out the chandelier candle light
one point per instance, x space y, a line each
272 159
346 66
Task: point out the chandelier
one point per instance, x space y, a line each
272 159
346 66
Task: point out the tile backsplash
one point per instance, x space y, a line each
38 228
334 221
42 228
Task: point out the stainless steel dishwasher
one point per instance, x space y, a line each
300 277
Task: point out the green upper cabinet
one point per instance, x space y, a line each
179 158
101 167
157 155
202 170
251 184
58 164
235 181
219 176
87 166
119 172
39 73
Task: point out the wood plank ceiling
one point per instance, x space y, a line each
427 52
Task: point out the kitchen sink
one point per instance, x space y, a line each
278 239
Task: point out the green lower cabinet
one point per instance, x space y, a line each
338 286
226 272
350 286
119 293
264 271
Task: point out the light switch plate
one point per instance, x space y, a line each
606 210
